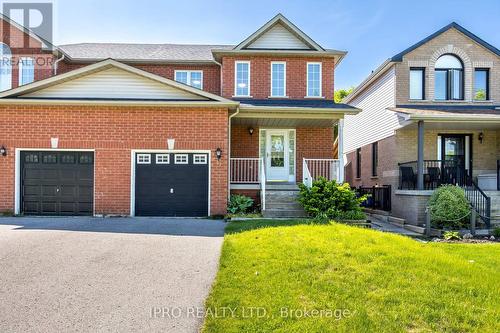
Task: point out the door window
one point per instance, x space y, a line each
277 151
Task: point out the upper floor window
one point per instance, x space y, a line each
5 67
417 85
26 70
481 84
242 78
191 78
278 79
449 78
313 79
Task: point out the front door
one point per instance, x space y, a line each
277 155
457 154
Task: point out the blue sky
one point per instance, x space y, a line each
371 31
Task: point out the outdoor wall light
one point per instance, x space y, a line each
218 153
250 130
3 151
480 137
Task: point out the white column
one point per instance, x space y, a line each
341 150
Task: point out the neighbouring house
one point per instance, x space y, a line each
431 116
166 129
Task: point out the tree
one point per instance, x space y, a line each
340 94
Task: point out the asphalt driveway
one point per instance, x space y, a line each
115 274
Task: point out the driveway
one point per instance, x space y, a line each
113 274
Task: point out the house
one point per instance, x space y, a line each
431 116
166 129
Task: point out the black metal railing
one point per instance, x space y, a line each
379 197
498 175
436 173
479 200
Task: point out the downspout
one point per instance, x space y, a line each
56 62
229 153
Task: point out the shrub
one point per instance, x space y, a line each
351 215
329 199
449 207
496 232
452 235
239 204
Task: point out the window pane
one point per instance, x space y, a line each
196 80
5 67
448 61
27 71
278 80
480 85
416 84
242 75
440 85
456 84
313 80
181 77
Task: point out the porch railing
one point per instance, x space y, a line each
498 175
314 168
436 173
478 200
245 170
379 197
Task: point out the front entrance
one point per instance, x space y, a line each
456 153
277 155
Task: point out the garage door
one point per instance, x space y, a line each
171 184
57 183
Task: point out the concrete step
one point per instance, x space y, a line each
382 218
396 221
415 228
376 211
281 187
283 205
271 213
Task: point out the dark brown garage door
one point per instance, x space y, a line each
57 183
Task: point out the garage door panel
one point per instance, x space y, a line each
49 207
32 190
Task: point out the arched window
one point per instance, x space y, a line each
5 67
449 78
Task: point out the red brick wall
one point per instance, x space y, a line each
113 131
211 73
260 76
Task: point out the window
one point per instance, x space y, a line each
191 78
31 158
449 78
200 159
242 78
86 159
181 159
278 79
374 159
481 84
162 158
313 79
5 67
49 158
358 163
417 85
143 158
68 159
26 70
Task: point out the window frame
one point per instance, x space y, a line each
189 72
236 77
320 79
284 78
159 159
204 158
358 163
422 70
449 79
5 78
181 156
375 159
487 70
143 159
22 66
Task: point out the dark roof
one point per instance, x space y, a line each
399 56
298 103
449 109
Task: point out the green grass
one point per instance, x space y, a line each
388 283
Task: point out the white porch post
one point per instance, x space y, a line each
341 150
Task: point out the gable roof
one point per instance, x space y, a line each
189 95
281 20
399 57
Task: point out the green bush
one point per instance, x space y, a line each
239 204
496 232
449 207
452 235
330 200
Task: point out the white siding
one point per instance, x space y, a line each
374 122
278 37
114 83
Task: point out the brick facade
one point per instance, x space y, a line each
113 132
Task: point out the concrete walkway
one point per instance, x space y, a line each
380 225
103 275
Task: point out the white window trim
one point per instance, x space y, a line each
236 78
181 162
21 66
320 80
284 81
162 162
204 156
188 76
146 156
8 77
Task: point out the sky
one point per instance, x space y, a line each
371 31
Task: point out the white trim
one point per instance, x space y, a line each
439 155
181 156
133 152
203 156
162 156
291 178
17 174
320 79
189 76
284 79
146 158
236 77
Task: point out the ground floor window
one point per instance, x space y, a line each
374 159
358 163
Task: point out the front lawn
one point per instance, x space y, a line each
299 277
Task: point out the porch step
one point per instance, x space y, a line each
283 203
415 228
396 221
282 186
270 213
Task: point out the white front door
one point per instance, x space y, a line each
277 155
